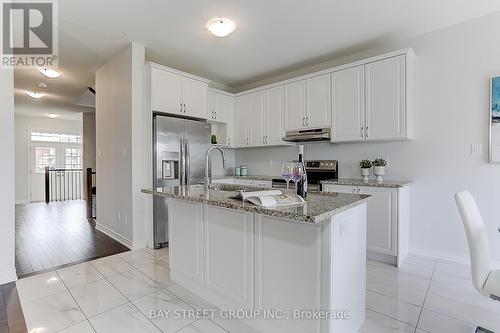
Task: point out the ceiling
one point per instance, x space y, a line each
271 37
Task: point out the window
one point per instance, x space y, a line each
55 137
44 157
73 158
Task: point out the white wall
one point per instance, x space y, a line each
450 112
24 124
120 146
7 170
89 150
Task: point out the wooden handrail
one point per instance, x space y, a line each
90 185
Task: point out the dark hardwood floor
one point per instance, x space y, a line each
11 313
49 236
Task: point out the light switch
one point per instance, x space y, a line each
476 149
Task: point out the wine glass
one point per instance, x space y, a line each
286 172
298 172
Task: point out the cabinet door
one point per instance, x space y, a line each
348 105
241 120
381 220
185 220
256 118
195 97
223 107
319 102
385 99
275 129
166 91
211 105
229 255
295 105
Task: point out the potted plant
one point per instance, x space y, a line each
379 169
365 166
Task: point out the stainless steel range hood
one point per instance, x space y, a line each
308 135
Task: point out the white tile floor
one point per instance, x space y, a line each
115 294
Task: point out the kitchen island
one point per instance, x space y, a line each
296 263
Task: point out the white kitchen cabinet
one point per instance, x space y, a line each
256 118
274 120
178 93
386 99
194 97
221 116
295 105
259 118
185 240
348 110
241 110
163 82
308 103
229 255
319 102
221 107
387 220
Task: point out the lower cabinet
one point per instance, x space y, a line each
387 221
229 254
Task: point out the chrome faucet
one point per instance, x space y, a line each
208 165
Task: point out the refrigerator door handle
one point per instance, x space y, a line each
182 168
187 161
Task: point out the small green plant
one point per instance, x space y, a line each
379 162
365 164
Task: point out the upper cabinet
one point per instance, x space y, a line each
348 109
370 101
318 102
386 99
274 116
175 93
259 118
295 105
308 103
221 106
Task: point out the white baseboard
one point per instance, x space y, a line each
448 256
8 275
22 202
117 237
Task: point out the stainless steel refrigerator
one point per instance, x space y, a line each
179 156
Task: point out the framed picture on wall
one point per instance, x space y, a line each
495 119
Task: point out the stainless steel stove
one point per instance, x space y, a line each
317 170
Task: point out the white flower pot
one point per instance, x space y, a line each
379 171
365 172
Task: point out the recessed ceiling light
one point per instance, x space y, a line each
50 72
220 26
34 94
42 85
52 116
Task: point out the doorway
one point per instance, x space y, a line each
56 151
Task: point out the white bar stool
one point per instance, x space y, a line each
485 280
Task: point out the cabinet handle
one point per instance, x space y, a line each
366 131
228 141
215 112
247 141
181 107
354 191
184 108
266 140
362 131
307 121
303 121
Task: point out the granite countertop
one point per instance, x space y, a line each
317 208
372 183
249 177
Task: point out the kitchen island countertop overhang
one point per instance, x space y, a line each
319 206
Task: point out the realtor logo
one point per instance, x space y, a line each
29 33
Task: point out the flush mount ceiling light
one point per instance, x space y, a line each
50 72
34 94
220 26
52 116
